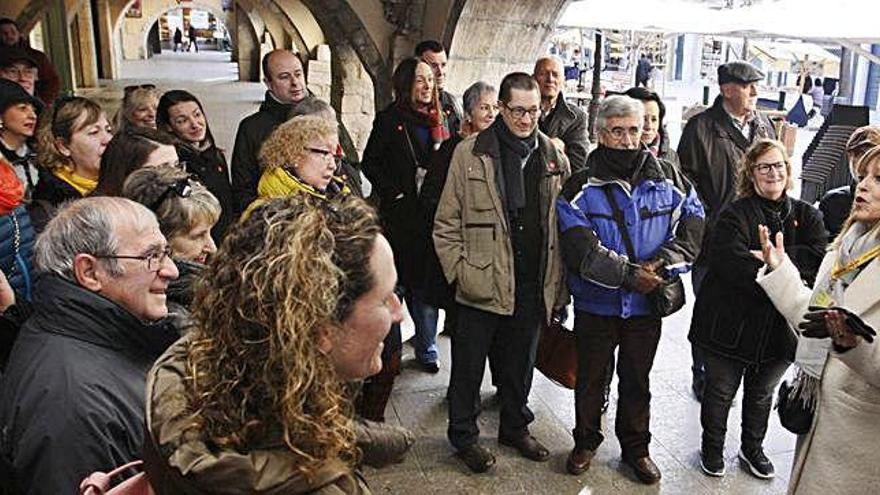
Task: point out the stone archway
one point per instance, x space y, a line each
490 38
152 11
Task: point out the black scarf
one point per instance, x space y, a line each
775 212
620 163
515 152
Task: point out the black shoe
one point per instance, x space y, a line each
432 368
527 446
478 459
712 464
757 463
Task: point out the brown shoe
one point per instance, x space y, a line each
579 460
646 471
527 446
478 459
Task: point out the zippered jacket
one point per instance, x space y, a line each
664 219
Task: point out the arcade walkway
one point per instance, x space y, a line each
418 399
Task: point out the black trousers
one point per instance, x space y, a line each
514 341
723 376
596 338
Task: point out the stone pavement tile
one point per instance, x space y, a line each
737 480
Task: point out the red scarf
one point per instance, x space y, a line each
11 188
432 118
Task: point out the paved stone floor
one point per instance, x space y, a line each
418 404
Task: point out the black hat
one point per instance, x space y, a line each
12 54
11 93
738 72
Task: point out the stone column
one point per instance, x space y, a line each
57 44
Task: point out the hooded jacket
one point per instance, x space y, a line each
663 217
72 398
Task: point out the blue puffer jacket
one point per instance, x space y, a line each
16 250
664 219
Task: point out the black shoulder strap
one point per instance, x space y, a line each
617 213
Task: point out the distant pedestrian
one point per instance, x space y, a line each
192 39
643 71
178 39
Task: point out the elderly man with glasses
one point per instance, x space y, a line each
496 238
72 397
628 223
18 66
49 83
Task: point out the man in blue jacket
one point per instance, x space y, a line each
611 273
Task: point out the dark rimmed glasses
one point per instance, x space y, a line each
764 168
520 112
154 259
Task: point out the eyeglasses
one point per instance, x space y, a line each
129 89
181 187
618 133
764 168
20 72
520 112
335 154
154 259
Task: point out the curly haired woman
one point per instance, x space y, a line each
295 303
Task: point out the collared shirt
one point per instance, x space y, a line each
744 127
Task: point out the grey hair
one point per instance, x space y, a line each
619 106
312 106
471 96
549 58
86 226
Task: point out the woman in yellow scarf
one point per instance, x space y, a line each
300 157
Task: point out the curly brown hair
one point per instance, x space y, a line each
745 184
287 143
283 280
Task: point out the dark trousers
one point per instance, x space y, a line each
698 365
514 340
723 376
596 338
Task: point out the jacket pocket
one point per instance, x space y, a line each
726 333
479 244
479 195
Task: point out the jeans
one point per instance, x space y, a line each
514 341
596 338
425 319
723 376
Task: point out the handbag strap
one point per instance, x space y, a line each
617 214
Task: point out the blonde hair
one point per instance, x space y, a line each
69 116
130 102
285 278
177 216
287 144
860 142
745 182
861 168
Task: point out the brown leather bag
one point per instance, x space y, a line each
557 357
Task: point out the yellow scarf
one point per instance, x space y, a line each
82 185
276 182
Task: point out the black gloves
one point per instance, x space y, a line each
815 326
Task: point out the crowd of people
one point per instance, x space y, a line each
258 301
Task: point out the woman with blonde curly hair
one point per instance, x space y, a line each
295 303
300 156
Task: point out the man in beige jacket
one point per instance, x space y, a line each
496 237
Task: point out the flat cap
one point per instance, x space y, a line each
738 72
12 54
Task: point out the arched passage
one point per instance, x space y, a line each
490 38
132 33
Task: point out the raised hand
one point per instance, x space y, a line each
772 255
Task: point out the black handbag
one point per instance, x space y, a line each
669 297
794 413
